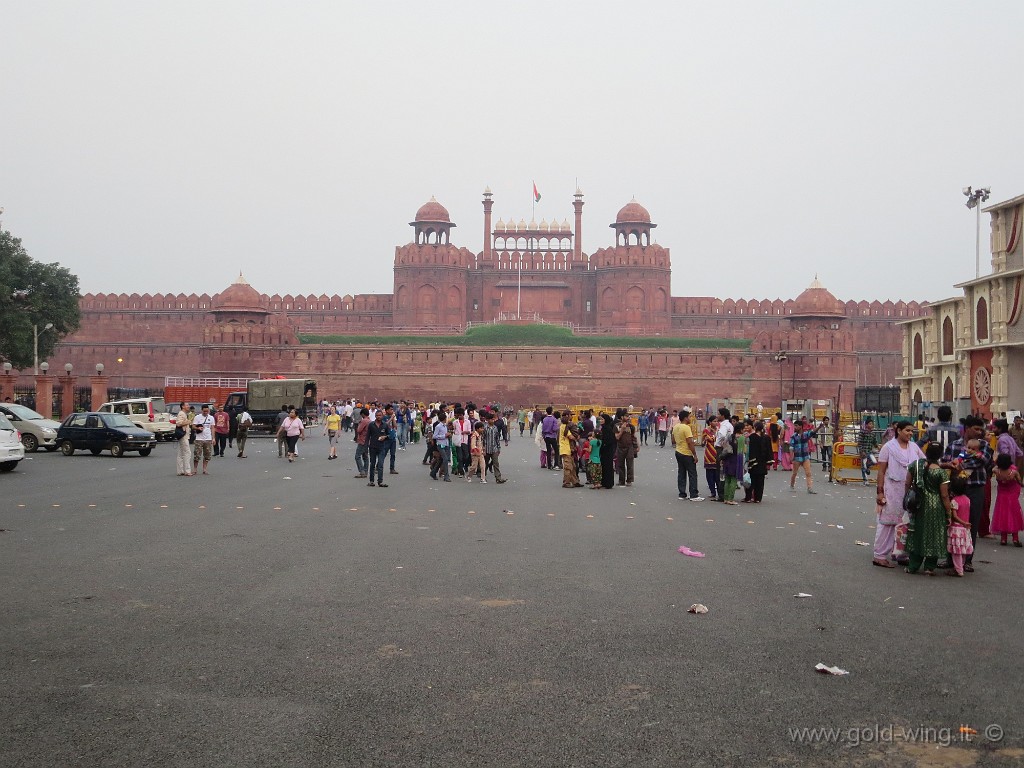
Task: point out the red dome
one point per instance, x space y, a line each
432 211
239 296
817 301
633 213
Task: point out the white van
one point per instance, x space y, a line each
147 412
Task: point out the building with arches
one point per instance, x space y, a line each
967 351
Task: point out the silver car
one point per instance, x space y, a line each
37 431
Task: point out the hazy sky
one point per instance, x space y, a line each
162 147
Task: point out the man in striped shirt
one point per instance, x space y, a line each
711 459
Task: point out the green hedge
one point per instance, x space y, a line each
529 336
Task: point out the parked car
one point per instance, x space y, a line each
147 412
96 432
36 430
11 449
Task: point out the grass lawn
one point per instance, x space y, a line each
529 336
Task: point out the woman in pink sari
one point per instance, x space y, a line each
785 457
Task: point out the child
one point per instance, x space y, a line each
958 539
476 453
584 457
1007 516
594 472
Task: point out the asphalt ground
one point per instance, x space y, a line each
276 614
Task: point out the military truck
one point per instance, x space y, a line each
263 399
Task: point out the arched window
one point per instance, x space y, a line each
947 336
981 319
918 352
947 389
917 396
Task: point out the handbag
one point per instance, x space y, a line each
912 496
179 432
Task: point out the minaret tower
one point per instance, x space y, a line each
577 204
487 223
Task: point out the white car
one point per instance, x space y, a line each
11 449
37 431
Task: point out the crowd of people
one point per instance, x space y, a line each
933 479
934 491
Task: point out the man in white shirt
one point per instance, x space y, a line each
461 429
203 427
725 429
244 421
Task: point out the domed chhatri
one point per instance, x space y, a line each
433 212
432 224
633 213
817 301
239 296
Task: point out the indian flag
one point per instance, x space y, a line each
536 194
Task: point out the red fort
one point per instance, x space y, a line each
526 270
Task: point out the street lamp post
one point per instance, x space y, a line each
974 200
35 345
780 358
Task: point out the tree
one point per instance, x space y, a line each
32 293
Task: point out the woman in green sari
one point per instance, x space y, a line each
926 538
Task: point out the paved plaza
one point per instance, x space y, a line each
277 614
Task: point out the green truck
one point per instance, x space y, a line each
263 399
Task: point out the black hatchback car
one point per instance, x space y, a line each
96 432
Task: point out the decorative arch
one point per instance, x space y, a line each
947 389
918 358
636 298
402 297
917 396
660 300
454 297
981 319
609 299
427 298
947 336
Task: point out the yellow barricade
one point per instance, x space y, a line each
846 463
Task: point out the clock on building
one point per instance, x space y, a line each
982 386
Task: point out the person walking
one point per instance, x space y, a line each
362 449
203 426
549 430
867 445
476 452
626 449
182 430
759 457
293 429
440 435
492 447
221 430
686 457
608 449
377 442
391 444
800 448
824 437
332 429
242 424
279 439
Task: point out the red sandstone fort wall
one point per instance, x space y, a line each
551 374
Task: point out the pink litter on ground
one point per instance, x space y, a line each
690 552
